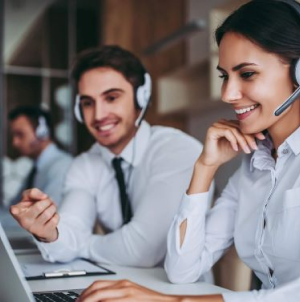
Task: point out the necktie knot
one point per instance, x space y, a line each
117 164
125 203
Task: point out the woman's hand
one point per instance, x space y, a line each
224 141
127 291
122 291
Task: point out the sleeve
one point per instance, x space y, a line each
207 236
288 292
142 242
77 213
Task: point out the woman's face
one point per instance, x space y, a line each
255 83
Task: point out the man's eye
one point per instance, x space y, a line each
86 103
111 98
247 75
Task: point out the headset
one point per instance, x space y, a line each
42 130
295 71
142 100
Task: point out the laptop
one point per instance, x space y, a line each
13 285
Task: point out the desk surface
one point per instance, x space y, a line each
154 278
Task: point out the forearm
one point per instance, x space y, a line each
202 178
188 261
205 298
126 246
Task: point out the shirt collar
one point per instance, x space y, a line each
135 149
262 158
45 155
293 141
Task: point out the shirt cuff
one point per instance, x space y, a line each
194 204
238 297
47 249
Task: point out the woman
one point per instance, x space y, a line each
259 209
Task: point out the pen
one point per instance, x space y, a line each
66 273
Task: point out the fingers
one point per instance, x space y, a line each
98 285
246 142
34 194
19 208
233 135
101 290
46 214
38 216
260 136
103 295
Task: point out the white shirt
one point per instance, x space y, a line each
52 167
259 210
162 161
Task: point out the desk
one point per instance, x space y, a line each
154 278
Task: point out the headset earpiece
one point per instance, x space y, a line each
143 92
77 110
42 131
143 97
296 72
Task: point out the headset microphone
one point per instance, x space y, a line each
288 102
141 117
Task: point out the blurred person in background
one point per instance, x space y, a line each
31 135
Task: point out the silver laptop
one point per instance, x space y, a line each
13 285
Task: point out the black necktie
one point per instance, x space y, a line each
125 203
30 178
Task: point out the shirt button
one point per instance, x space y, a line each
285 151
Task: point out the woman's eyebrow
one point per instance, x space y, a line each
237 67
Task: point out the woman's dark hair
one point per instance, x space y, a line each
272 25
111 56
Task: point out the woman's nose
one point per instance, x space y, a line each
231 91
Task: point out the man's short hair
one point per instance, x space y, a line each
33 113
110 56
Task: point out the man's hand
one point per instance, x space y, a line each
37 214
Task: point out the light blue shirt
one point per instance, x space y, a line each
52 167
259 210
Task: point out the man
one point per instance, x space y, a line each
31 136
131 181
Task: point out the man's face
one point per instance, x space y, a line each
107 103
24 137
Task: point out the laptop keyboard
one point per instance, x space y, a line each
56 297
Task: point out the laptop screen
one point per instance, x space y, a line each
13 286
